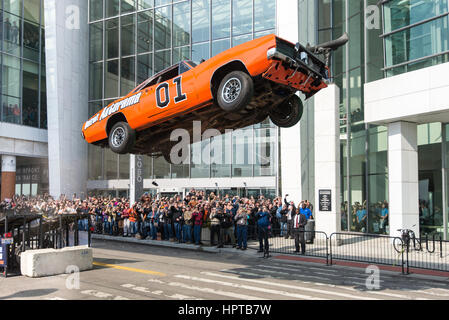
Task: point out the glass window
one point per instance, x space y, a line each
31 41
11 34
144 67
110 164
242 16
12 112
111 79
145 4
219 46
43 124
221 19
181 54
162 2
13 6
265 143
418 42
30 89
162 60
162 36
32 10
199 167
112 8
96 41
96 81
112 36
124 162
181 24
241 39
264 15
128 75
128 6
399 14
356 51
128 34
200 17
161 168
221 151
96 9
95 161
145 31
200 51
10 76
242 153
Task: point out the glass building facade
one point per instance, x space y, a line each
412 35
132 40
22 62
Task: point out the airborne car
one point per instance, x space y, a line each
237 88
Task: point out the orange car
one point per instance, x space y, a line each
237 88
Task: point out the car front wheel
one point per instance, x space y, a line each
235 92
121 138
288 113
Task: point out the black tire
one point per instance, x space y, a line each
398 245
235 91
121 138
288 113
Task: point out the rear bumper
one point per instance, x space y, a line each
304 62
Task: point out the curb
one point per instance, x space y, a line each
175 245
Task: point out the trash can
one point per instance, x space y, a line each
310 228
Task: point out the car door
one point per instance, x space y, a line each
174 96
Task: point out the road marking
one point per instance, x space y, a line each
146 290
289 286
102 295
213 291
242 286
55 298
113 266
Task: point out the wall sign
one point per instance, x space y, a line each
325 200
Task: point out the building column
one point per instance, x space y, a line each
8 177
327 160
67 57
403 177
290 149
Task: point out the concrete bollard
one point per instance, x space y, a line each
50 262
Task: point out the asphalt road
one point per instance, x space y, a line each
131 271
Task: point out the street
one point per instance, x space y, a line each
125 271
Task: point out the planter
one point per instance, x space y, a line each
205 236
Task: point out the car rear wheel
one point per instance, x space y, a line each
288 113
121 138
235 91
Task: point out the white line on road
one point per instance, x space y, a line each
146 290
242 286
213 291
289 286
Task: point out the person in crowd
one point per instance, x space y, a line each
290 213
299 224
197 224
187 227
241 219
384 217
226 227
214 227
263 222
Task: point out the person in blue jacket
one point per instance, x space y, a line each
263 222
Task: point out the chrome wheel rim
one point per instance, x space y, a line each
231 90
118 136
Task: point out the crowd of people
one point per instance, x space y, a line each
232 220
359 217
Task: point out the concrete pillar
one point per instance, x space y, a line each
403 177
327 160
67 57
8 177
287 28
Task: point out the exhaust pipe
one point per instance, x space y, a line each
331 45
327 47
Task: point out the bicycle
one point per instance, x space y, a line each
403 243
